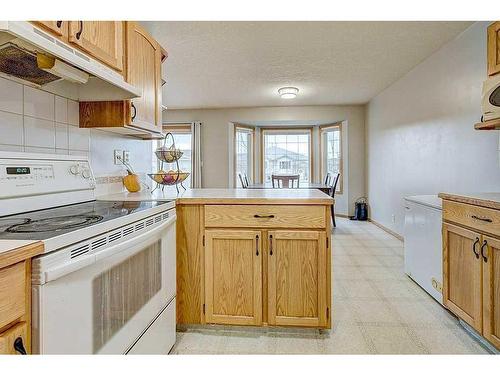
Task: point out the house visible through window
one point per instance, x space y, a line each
331 158
286 151
244 142
183 141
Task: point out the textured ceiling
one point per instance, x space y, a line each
242 64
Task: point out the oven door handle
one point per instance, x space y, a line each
86 260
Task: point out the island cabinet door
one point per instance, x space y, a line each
462 274
233 277
490 252
297 279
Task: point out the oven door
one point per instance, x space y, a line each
106 305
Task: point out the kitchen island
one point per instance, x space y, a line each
252 257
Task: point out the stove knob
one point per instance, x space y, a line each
74 169
86 174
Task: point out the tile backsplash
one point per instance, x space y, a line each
33 120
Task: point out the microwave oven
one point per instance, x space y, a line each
491 98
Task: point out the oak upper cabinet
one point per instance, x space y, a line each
297 279
233 277
103 40
144 58
58 28
490 253
494 48
462 270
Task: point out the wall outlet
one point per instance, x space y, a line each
393 218
126 156
118 154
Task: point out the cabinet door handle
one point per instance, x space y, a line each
19 346
257 245
487 219
58 24
485 258
474 247
271 244
78 35
135 112
263 216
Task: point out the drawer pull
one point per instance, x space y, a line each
271 244
488 220
263 216
485 258
19 346
257 245
78 35
474 247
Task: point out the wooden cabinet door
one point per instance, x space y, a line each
103 40
144 71
297 278
490 252
494 48
462 274
233 277
58 28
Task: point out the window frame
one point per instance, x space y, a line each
323 129
182 128
251 130
291 130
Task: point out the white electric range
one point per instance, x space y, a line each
106 281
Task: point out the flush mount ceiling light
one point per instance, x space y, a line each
288 92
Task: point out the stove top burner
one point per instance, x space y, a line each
54 224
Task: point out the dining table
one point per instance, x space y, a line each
325 188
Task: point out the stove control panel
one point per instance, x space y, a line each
22 177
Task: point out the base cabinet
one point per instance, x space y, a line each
471 267
233 277
462 274
297 278
491 289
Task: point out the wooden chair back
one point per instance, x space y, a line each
244 184
285 181
334 184
245 178
328 177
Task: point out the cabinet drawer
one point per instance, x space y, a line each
8 338
264 216
480 218
12 293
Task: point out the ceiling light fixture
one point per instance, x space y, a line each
288 92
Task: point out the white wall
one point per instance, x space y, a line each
216 140
32 120
419 131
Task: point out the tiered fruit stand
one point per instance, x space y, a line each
169 155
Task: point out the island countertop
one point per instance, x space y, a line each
230 196
488 200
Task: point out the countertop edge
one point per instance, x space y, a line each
467 199
255 201
20 253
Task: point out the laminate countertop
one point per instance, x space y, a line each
488 200
13 251
230 196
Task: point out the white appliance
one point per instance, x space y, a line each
21 44
491 98
423 256
106 282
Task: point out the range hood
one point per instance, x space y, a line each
36 58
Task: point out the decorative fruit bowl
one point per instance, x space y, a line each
168 155
169 178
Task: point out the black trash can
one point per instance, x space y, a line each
360 210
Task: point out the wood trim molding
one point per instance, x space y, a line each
385 229
323 128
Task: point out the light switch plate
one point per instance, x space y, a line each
126 156
118 154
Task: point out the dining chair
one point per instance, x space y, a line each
328 177
285 181
245 178
244 184
332 194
